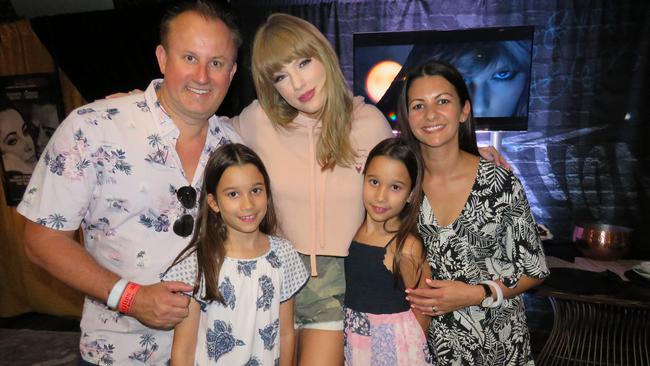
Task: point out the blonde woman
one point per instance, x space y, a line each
314 138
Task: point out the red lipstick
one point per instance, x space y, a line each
307 96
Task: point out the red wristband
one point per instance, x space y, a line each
127 297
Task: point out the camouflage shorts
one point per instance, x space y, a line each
321 300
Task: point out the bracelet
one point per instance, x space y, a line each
116 293
498 291
127 297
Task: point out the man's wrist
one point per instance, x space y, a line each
126 301
116 293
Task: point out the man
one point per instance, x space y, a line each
127 171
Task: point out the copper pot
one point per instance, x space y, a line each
602 241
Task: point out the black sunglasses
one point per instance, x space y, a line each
184 225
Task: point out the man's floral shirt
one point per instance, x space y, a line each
112 169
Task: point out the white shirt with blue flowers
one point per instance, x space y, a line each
246 329
112 168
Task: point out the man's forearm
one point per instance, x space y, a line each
59 254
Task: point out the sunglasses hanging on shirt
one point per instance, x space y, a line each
184 225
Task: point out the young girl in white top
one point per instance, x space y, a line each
244 278
385 256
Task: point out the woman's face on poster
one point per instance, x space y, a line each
14 136
495 88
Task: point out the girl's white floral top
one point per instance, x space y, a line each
245 330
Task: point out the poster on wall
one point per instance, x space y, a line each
30 110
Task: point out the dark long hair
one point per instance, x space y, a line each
399 149
211 233
466 131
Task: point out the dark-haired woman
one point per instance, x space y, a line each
476 226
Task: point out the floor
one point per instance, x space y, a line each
538 311
39 340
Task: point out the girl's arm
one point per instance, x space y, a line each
412 259
185 334
287 334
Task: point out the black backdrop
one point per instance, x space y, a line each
585 156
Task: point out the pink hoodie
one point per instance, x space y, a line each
319 211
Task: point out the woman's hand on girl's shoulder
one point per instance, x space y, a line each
491 154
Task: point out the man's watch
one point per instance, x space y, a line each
487 300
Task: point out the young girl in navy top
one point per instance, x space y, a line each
244 278
385 256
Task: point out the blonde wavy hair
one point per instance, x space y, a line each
282 39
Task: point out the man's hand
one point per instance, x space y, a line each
161 305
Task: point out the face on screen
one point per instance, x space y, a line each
496 90
497 79
495 64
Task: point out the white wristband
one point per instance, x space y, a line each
116 293
498 291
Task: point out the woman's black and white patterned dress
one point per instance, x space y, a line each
494 238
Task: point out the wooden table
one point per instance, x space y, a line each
597 329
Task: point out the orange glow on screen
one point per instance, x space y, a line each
379 78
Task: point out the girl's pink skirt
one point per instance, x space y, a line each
384 339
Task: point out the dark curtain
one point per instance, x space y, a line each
7 12
103 51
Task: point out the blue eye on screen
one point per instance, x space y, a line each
503 75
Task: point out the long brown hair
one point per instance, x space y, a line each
282 39
210 233
398 149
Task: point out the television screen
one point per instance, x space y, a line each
495 62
